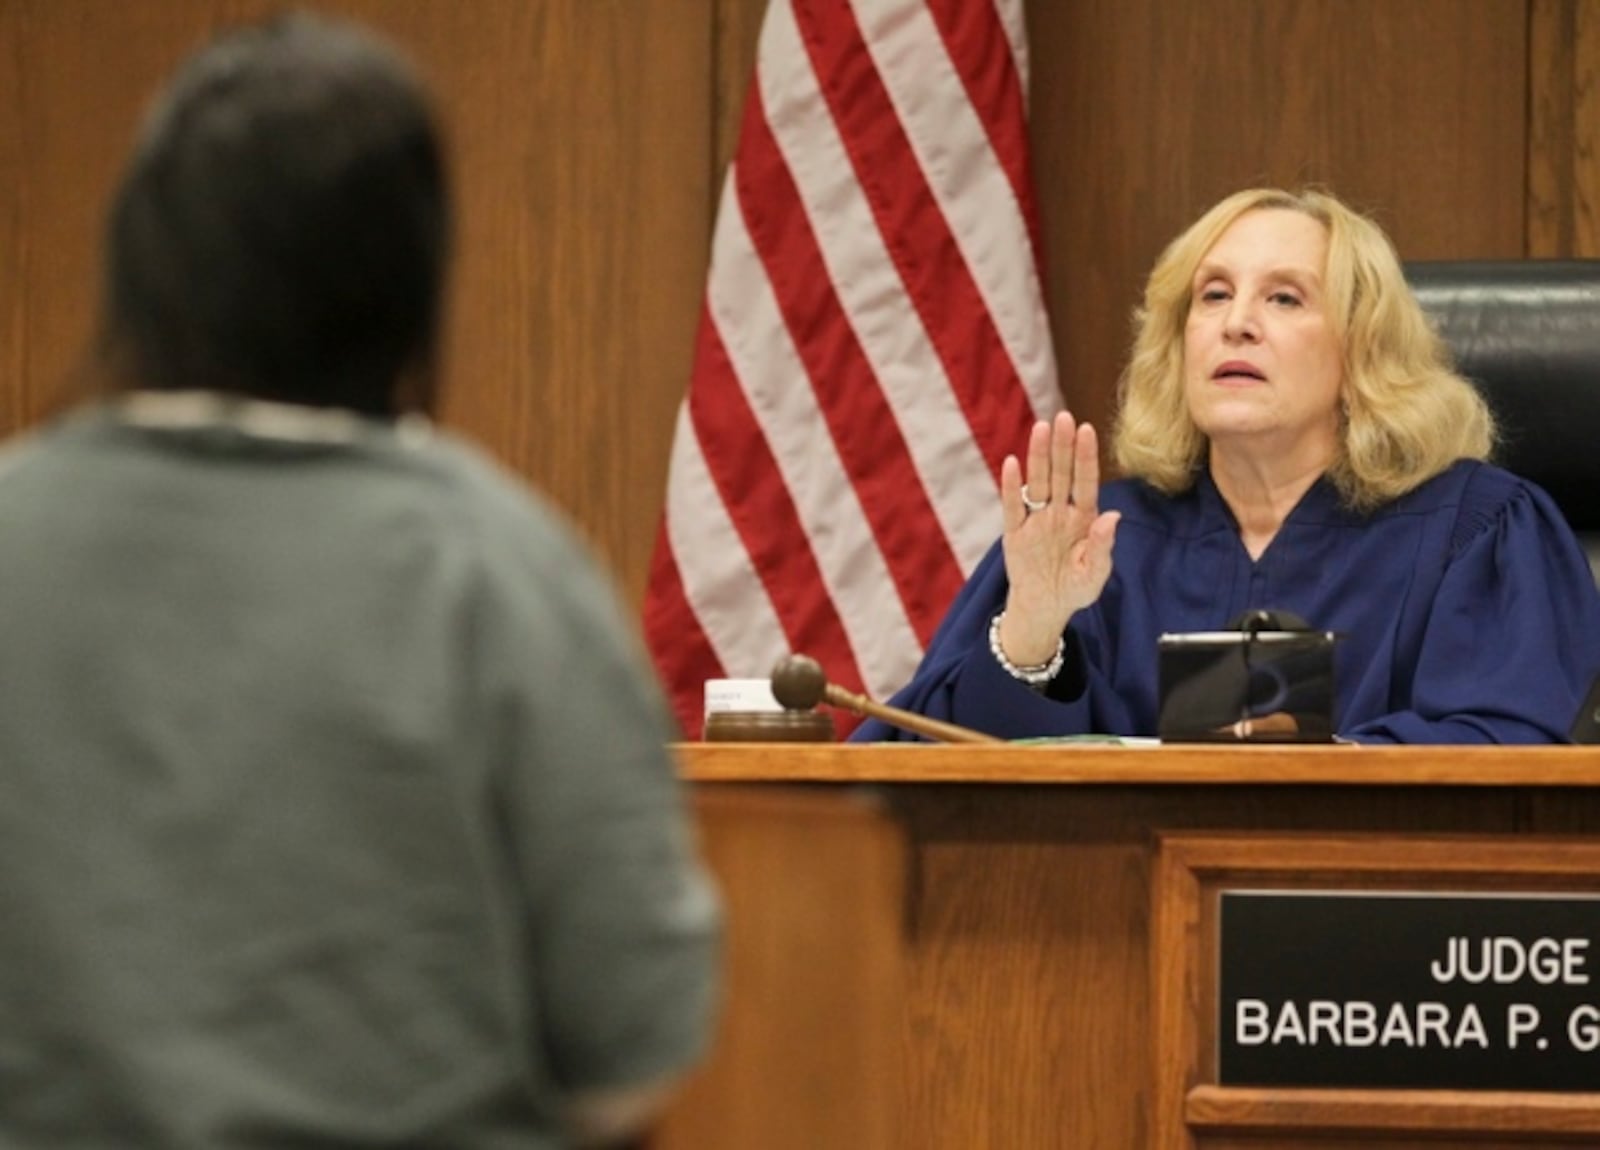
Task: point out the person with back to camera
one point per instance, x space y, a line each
1292 437
335 804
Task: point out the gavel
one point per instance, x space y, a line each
799 685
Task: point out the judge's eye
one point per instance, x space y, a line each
1213 294
1285 299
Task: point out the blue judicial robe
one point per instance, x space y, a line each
1467 609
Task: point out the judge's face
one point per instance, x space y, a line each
1263 367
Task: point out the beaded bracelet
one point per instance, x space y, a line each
1039 674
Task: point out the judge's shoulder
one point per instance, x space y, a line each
1470 485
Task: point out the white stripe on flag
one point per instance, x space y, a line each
776 385
969 182
959 484
1013 20
730 604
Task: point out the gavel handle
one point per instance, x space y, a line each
908 720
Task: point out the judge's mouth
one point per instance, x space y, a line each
1237 372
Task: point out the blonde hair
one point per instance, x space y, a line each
1407 415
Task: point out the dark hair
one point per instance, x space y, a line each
282 230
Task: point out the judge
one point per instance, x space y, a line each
1291 436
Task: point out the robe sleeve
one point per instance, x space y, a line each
1512 636
959 680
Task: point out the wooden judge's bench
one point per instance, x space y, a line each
1022 946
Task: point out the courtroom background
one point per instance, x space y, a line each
590 139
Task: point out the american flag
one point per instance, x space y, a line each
873 344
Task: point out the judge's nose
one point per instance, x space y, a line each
1240 324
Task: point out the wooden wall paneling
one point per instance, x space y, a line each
581 131
738 32
1586 133
1563 129
1551 28
807 1048
85 73
14 249
581 134
1144 112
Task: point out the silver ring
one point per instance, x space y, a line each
1031 504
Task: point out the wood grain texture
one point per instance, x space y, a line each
1032 1015
85 72
584 249
1564 129
15 251
1552 25
807 1051
738 30
1030 1012
1425 1142
1178 949
1191 871
580 131
1585 141
1100 764
1372 1117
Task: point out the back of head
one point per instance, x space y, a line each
282 230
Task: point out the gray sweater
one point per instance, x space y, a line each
335 808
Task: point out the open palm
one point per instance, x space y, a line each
1056 541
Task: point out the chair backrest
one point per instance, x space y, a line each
1527 333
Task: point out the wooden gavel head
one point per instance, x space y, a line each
798 682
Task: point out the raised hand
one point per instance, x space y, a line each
1056 541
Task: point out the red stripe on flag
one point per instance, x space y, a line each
682 653
924 569
763 512
981 51
918 237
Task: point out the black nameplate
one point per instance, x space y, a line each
1424 991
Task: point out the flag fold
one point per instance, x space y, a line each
873 343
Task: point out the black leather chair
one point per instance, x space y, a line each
1527 332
